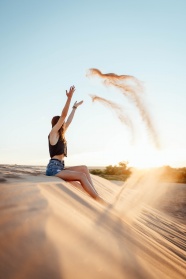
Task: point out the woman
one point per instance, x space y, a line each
58 150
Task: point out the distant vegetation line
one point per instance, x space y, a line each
122 172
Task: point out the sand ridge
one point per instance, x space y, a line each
52 229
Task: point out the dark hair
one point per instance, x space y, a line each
61 130
54 120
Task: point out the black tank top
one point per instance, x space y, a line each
58 149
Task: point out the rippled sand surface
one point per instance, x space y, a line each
52 229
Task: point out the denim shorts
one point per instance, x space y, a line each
54 166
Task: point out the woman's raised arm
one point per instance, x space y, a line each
69 120
65 109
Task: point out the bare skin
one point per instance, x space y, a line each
76 173
84 170
69 175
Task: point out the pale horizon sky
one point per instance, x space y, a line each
47 46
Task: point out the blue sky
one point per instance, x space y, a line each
47 46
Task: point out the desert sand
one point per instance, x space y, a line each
51 229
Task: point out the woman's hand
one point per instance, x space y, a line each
71 116
70 92
77 104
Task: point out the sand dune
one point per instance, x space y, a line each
52 229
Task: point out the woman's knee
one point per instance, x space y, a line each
84 168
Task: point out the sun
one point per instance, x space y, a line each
138 156
146 160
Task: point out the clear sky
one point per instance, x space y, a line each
47 46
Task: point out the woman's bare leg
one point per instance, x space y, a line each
85 170
70 175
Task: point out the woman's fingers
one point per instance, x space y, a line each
72 88
71 91
78 104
